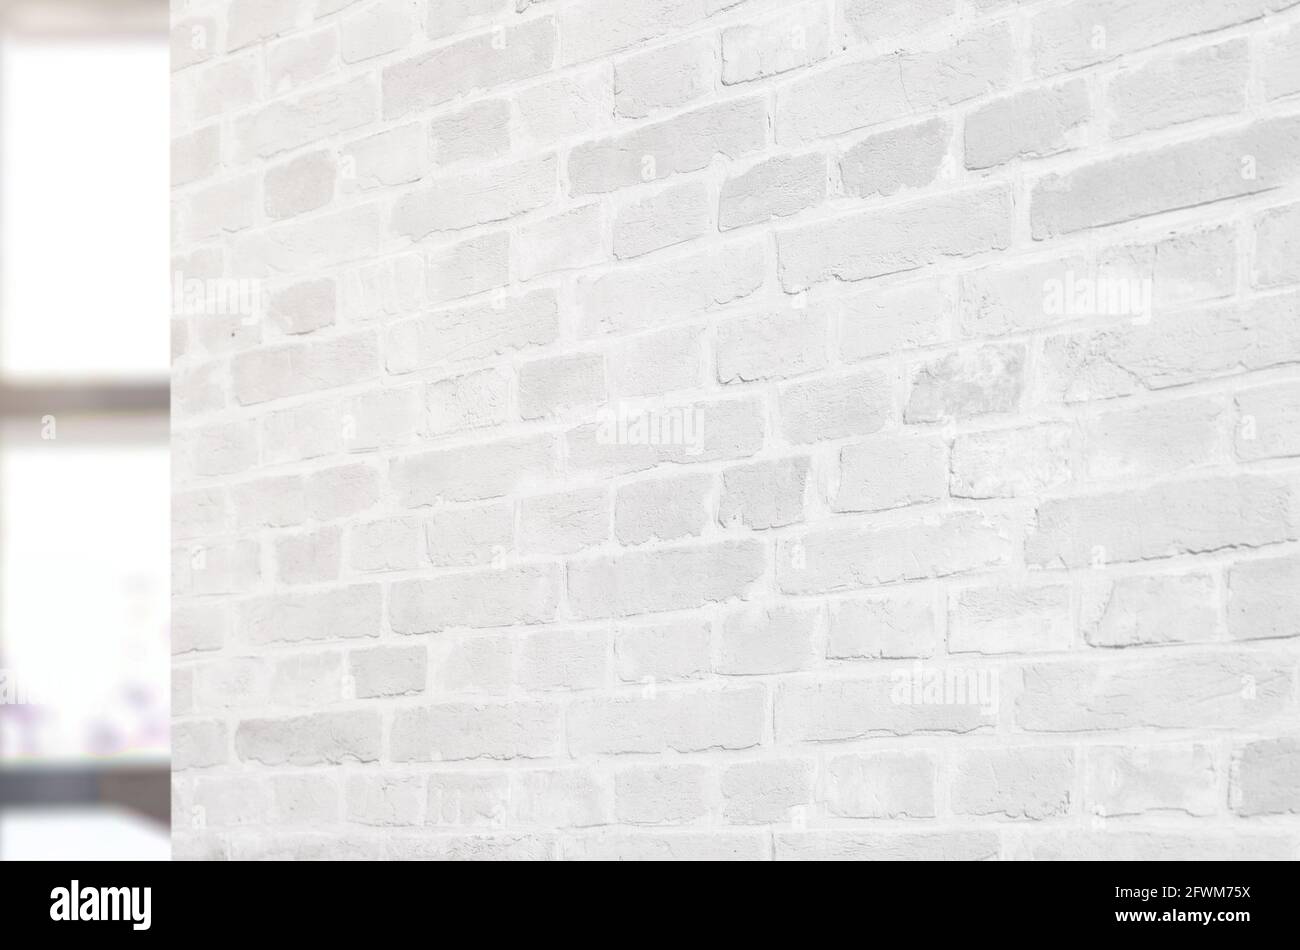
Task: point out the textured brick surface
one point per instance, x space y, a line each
745 429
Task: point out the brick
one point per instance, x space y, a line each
897 239
306 118
1028 619
653 364
665 650
491 598
564 523
771 345
489 470
306 306
393 157
881 474
835 709
766 791
886 846
592 29
477 133
448 71
1262 599
970 383
383 800
1085 32
469 537
565 241
674 215
469 267
663 509
829 102
1279 73
674 146
887 626
911 156
563 660
379 28
559 798
342 613
661 794
774 188
1265 778
1128 611
550 386
1014 783
1034 123
474 197
638 298
630 439
880 322
1228 690
450 732
684 720
767 639
1141 779
881 785
1212 168
289 370
795 37
1203 344
665 78
668 579
471 332
568 105
300 185
1277 235
388 671
1184 87
297 60
308 558
314 739
833 407
472 401
842 557
1197 516
1013 463
764 494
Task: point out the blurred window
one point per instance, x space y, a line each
84 323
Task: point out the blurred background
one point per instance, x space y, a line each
84 470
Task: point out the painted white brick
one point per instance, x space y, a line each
686 143
1014 783
477 133
789 39
771 345
1035 123
767 639
664 509
713 429
912 156
1207 81
881 785
1128 611
880 473
1136 780
774 188
764 494
563 523
889 626
663 78
676 214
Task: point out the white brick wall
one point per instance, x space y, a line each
737 428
